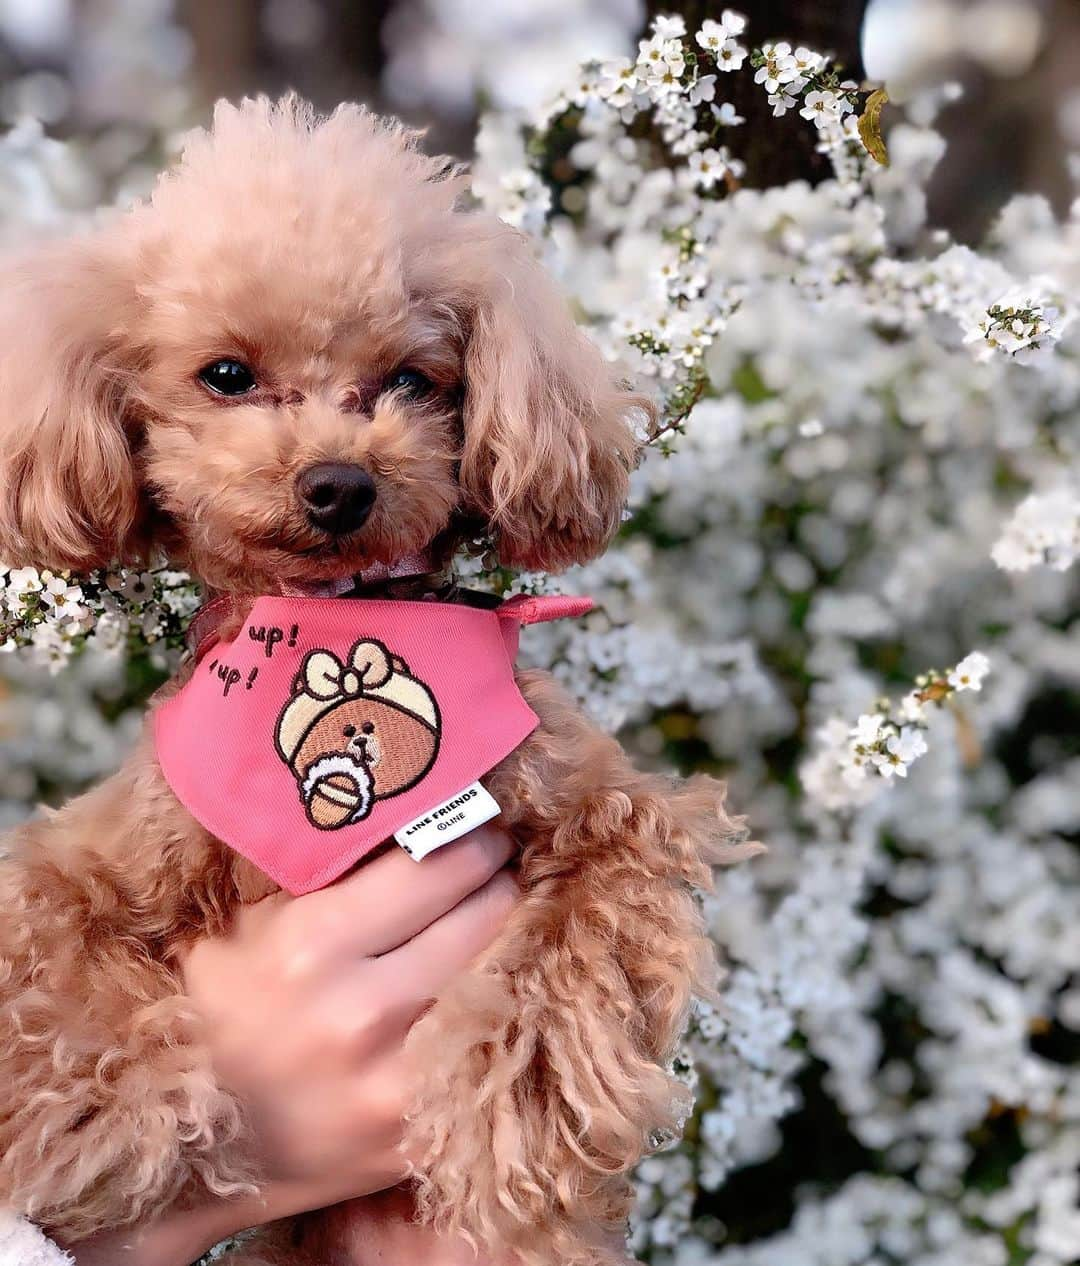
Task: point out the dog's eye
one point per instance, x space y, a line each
349 731
410 382
368 727
227 377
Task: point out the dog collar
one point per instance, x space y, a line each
328 724
217 610
418 564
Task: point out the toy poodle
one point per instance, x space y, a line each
302 360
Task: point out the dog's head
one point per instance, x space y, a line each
298 358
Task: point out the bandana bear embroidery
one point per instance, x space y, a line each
356 732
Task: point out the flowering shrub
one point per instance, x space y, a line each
861 418
867 465
885 742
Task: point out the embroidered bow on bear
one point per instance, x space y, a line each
326 677
356 732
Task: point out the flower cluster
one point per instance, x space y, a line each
668 79
1044 531
885 743
54 615
676 167
721 40
820 521
1022 327
794 77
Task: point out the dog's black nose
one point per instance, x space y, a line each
336 496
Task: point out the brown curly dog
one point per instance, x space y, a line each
349 311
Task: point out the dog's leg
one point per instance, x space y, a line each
544 1066
108 1108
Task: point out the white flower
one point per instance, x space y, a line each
662 61
618 82
733 22
835 775
589 84
970 672
731 55
703 90
908 745
22 581
719 40
708 166
711 37
853 767
779 68
781 103
60 594
727 116
889 765
807 61
821 106
912 708
867 730
669 28
1044 531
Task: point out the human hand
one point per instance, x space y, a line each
306 1004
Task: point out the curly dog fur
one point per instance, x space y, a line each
328 253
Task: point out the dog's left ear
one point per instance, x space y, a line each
549 440
68 487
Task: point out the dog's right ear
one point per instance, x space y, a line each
68 488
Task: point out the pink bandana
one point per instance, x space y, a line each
330 723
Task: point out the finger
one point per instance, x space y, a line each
387 902
419 969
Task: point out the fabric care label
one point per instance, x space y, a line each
447 822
